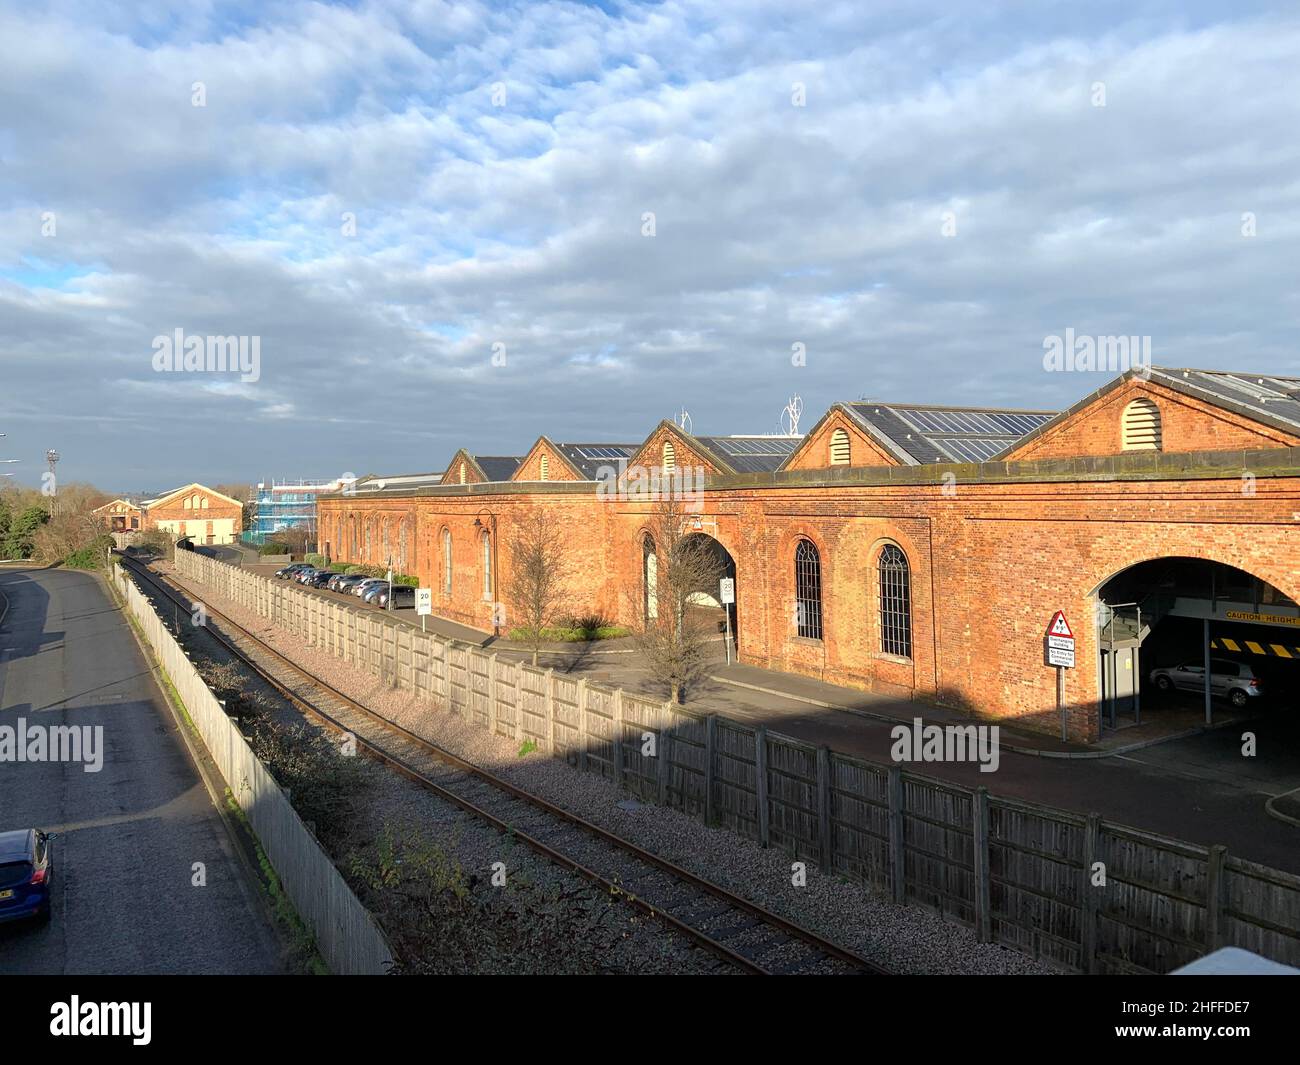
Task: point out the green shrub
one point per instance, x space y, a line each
92 556
270 548
313 559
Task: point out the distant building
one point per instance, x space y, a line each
194 510
282 505
203 514
121 515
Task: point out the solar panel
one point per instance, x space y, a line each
737 446
604 451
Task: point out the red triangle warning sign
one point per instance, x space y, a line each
1059 626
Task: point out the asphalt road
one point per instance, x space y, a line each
129 834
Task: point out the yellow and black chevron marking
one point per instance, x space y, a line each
1222 643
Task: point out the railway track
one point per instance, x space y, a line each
737 930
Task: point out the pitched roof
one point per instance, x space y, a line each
398 482
1267 398
749 453
919 433
145 504
498 467
588 459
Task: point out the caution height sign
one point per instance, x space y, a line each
1060 642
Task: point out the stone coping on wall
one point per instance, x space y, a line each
1135 466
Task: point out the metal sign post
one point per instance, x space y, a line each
1060 653
727 595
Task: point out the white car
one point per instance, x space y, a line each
361 587
1235 681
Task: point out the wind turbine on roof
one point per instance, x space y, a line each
684 421
791 414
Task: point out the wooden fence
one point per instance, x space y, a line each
1021 874
345 932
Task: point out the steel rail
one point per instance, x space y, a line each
780 924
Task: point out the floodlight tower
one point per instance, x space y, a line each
52 460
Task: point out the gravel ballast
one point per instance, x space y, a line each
904 939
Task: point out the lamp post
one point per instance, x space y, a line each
492 585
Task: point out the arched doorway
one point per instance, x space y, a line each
715 565
1183 634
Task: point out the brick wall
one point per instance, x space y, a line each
990 563
1186 424
198 512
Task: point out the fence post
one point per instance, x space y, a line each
492 694
760 782
665 752
617 750
520 734
710 756
548 700
980 859
1215 882
897 856
1090 899
585 736
825 841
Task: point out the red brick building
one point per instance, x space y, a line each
921 550
193 510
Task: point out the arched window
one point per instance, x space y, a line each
841 451
895 602
446 562
189 502
486 541
808 590
462 473
204 503
650 578
545 468
369 526
387 546
670 456
401 546
1142 426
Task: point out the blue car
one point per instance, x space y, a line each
26 875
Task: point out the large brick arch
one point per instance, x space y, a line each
1266 570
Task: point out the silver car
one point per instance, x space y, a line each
361 587
1234 681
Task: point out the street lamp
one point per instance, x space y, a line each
492 587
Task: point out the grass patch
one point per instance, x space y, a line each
573 634
528 747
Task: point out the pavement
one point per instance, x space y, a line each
1169 775
130 834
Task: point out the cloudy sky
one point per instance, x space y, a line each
386 194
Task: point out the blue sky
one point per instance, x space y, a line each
388 193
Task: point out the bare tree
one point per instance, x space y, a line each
539 572
673 637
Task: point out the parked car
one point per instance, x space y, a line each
305 575
288 571
26 874
403 595
1234 681
364 585
368 596
320 578
348 581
